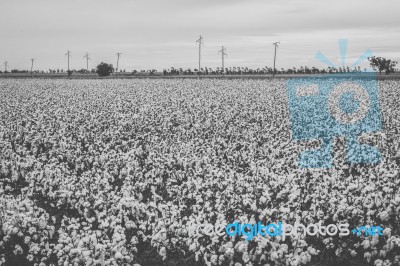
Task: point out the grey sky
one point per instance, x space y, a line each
162 33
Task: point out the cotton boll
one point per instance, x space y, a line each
387 232
367 256
384 216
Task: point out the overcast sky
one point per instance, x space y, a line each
162 33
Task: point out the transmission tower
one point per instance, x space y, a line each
276 45
32 60
200 42
87 62
68 54
223 54
116 73
5 68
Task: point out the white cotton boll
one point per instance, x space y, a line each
284 248
382 253
274 255
397 200
263 199
311 250
118 255
284 210
384 216
86 253
367 256
387 263
378 202
335 217
295 262
14 231
390 245
387 232
368 188
374 253
366 244
352 186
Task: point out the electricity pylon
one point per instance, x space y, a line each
276 45
5 68
223 54
33 60
200 42
87 62
116 73
68 54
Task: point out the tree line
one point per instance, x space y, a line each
378 64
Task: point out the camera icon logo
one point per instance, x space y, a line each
335 105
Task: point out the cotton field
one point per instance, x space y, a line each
112 172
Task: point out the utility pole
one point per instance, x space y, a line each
87 62
276 45
116 73
223 57
5 68
200 41
33 60
68 54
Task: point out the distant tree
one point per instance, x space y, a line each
104 69
382 64
81 71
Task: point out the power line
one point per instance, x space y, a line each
223 54
200 41
276 45
87 62
116 73
33 60
68 54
